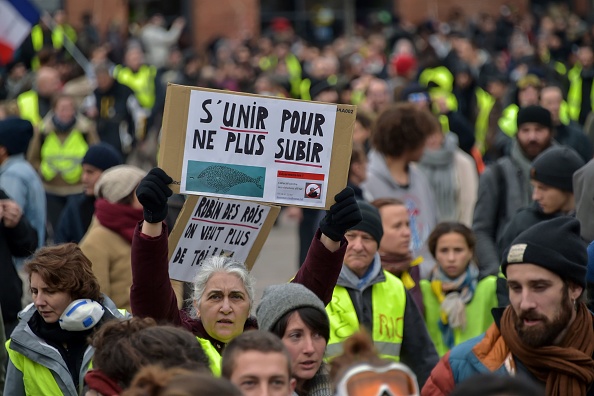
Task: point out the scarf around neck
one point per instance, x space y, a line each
524 164
453 294
438 166
566 369
121 219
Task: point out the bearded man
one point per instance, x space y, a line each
547 332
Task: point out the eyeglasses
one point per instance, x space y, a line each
394 379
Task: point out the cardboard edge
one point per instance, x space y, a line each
182 218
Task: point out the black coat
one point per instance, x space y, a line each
20 241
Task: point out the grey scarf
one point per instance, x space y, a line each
524 164
438 166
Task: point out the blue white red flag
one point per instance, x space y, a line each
17 17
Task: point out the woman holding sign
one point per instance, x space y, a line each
223 295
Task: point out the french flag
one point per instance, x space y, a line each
17 17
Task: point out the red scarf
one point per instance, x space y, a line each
121 219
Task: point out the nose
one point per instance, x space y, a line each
39 301
308 345
451 256
226 306
356 244
527 303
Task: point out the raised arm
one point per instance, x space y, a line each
151 293
323 262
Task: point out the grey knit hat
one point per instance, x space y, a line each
279 300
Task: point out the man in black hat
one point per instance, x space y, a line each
551 177
505 186
547 331
368 296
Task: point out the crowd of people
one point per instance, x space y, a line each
457 259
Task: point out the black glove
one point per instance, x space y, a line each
343 215
152 193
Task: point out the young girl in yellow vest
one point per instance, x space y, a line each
457 305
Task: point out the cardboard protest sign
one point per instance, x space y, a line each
256 148
211 226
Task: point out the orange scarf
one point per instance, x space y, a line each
568 368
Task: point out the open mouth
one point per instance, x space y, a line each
225 321
308 364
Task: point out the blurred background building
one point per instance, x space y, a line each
316 20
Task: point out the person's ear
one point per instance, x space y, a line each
292 385
575 291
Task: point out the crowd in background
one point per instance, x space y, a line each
468 132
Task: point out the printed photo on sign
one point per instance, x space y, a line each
225 179
211 226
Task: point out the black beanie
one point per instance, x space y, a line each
371 222
15 135
102 156
536 114
555 167
553 244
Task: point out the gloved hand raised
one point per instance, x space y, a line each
343 215
152 193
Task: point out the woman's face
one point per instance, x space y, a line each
305 346
49 302
224 307
453 254
396 224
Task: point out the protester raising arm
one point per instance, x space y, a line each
151 293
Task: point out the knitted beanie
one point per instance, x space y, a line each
536 114
371 222
15 135
102 156
553 244
278 300
118 182
555 167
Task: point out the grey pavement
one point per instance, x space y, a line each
277 262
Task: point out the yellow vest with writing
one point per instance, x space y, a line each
213 356
63 158
141 82
388 301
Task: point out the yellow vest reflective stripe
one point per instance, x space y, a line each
213 356
142 83
28 104
485 104
388 300
63 158
508 122
478 313
37 379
